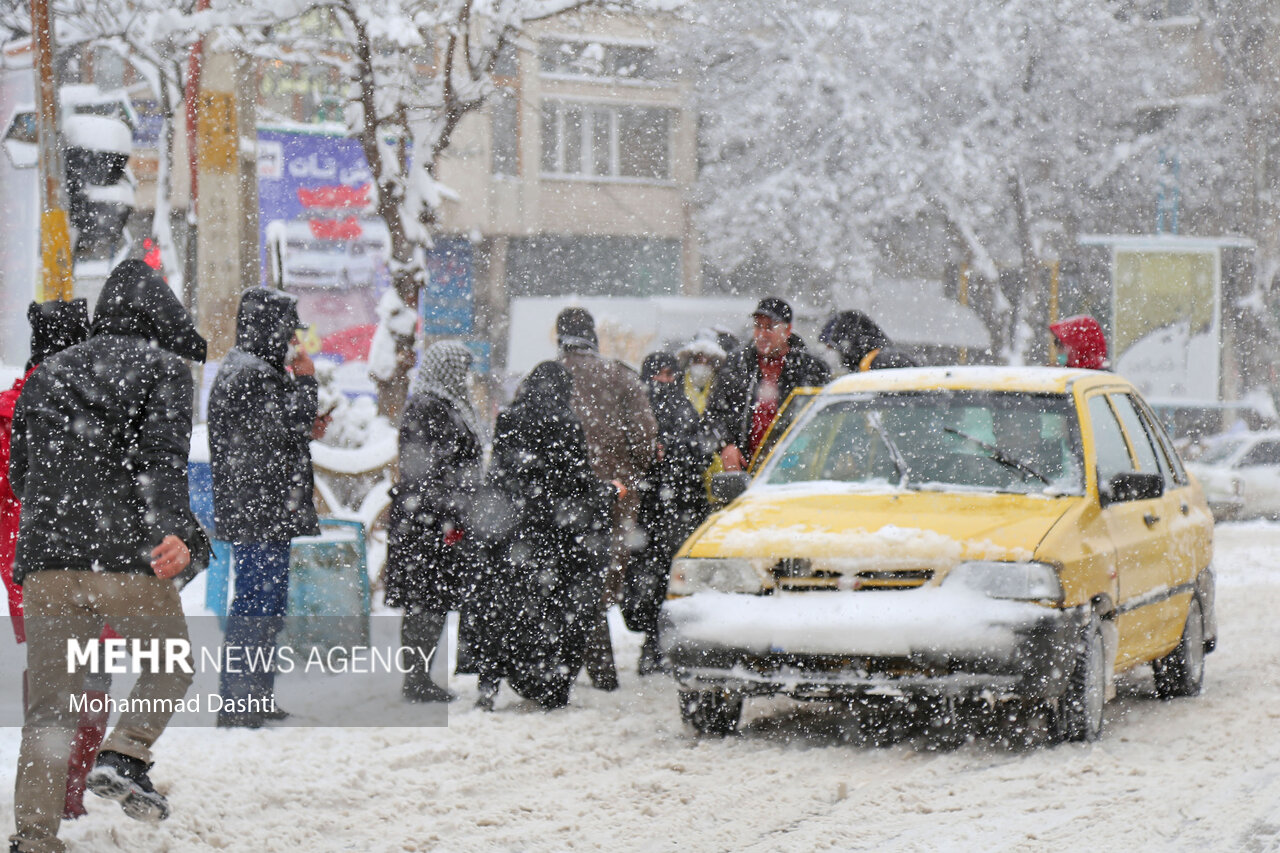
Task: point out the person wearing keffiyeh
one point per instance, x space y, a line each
430 540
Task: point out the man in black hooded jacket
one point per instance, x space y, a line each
260 422
101 436
861 343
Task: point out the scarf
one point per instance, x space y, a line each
443 372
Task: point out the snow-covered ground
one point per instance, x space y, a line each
618 771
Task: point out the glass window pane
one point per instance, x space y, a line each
1113 454
571 120
644 143
1143 445
633 62
601 141
550 137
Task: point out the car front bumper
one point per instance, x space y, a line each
930 641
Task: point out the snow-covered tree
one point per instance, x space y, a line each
903 135
414 70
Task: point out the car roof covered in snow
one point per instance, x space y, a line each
969 377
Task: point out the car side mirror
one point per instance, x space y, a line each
729 484
1133 486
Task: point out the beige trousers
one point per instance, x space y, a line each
67 605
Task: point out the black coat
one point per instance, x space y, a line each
733 395
260 422
673 502
549 529
101 436
440 461
862 344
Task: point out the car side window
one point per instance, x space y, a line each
1262 453
1108 440
1170 462
1143 442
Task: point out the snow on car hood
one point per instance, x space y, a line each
882 529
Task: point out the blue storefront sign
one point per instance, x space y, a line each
447 304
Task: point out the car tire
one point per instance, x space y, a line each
711 712
1181 672
1079 712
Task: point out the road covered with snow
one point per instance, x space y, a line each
619 772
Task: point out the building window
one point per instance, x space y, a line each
503 112
597 60
605 141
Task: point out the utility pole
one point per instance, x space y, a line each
55 231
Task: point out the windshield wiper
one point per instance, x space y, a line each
999 455
899 461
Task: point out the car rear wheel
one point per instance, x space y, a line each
1078 716
711 712
1181 672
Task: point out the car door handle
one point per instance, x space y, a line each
1151 519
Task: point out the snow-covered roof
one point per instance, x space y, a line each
1032 379
915 312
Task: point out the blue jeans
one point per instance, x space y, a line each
257 615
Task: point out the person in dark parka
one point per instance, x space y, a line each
673 500
430 549
861 344
755 381
101 435
260 423
551 538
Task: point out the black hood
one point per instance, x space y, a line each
136 301
852 334
265 324
548 386
56 325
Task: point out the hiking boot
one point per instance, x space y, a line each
276 715
124 779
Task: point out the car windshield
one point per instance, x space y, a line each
942 440
1219 451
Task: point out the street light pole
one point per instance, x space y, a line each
55 231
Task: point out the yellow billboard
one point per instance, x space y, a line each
1165 322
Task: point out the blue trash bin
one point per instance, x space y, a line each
328 589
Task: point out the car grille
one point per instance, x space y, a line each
799 575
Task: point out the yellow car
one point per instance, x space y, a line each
951 534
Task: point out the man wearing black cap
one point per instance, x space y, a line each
611 402
756 380
262 410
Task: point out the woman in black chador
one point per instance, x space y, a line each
548 524
431 552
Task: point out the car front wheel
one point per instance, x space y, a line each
711 712
1078 716
1181 672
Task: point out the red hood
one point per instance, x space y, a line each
1083 340
9 398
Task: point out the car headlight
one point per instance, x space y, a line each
722 574
999 579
